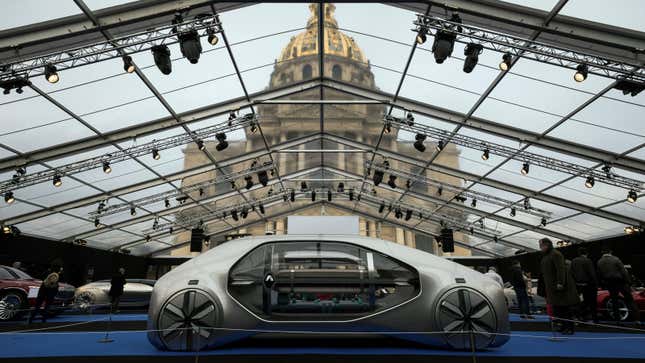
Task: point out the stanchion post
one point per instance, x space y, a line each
106 338
472 346
554 338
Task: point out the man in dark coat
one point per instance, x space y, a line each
584 274
616 280
116 288
519 285
559 285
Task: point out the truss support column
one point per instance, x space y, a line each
362 227
399 235
280 226
409 239
371 228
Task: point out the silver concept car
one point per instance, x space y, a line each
136 293
334 284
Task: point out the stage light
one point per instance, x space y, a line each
486 154
590 181
378 177
292 195
440 145
212 37
223 144
249 182
543 222
632 196
513 212
525 168
285 197
408 184
408 215
629 87
155 154
8 197
161 55
397 213
201 192
303 186
190 46
418 144
409 118
313 195
234 215
101 207
392 181
505 64
439 190
472 52
167 203
582 70
263 177
351 194
629 230
57 181
473 203
261 207
19 90
421 36
443 44
329 195
128 65
200 144
133 211
527 204
253 128
381 208
107 169
387 128
51 73
155 224
244 213
341 187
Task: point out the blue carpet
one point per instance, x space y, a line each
522 344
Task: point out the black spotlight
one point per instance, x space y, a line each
527 204
408 215
249 182
292 196
161 55
133 211
632 196
57 181
422 35
381 208
97 223
387 128
190 46
582 70
351 194
263 177
303 185
107 169
51 73
8 197
212 37
440 190
472 52
222 143
261 207
155 154
418 144
128 65
473 203
409 118
329 195
341 187
166 203
444 42
244 213
513 212
234 215
397 213
253 127
629 87
378 177
505 64
440 145
200 144
590 181
525 168
392 181
486 154
313 195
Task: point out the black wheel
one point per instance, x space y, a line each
187 319
461 311
623 310
12 305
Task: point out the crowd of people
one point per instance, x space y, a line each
571 287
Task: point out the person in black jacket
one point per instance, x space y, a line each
616 280
519 285
116 288
559 286
584 274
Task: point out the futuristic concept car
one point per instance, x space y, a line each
136 294
329 284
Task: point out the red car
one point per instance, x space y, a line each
606 308
18 293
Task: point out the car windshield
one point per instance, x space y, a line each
18 274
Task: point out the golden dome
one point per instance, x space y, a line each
336 42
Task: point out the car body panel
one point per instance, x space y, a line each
207 277
136 293
603 297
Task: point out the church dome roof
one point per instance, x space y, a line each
336 42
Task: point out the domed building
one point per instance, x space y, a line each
344 62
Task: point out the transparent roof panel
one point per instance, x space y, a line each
622 13
32 11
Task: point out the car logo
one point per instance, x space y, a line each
269 280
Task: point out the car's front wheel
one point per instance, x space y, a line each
617 309
12 305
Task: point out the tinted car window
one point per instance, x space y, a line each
320 281
21 275
5 275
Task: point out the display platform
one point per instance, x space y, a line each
130 346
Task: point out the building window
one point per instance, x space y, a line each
336 72
306 71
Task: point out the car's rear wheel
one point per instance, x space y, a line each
84 301
619 312
467 318
188 320
12 305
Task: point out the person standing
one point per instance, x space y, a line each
559 286
116 289
493 275
616 280
519 285
46 294
584 274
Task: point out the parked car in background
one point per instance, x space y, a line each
538 306
136 294
18 293
606 307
